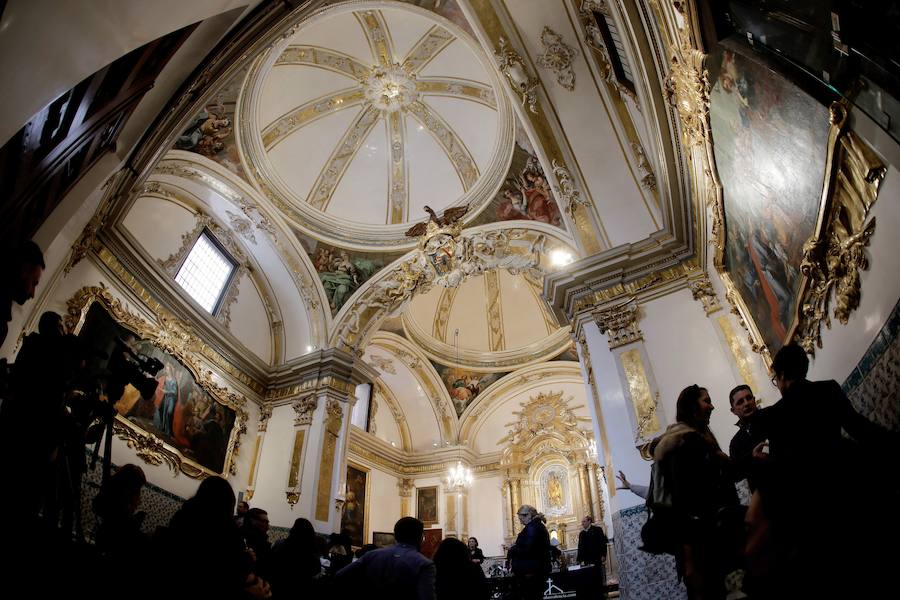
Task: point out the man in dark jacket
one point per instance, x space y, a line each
749 435
398 572
591 543
806 451
530 555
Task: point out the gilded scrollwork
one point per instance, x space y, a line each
703 291
568 193
687 89
513 67
176 338
558 56
833 260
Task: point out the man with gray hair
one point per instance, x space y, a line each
530 555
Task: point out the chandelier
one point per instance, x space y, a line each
460 476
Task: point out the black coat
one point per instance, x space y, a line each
591 546
530 555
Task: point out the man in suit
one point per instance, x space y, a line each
591 543
397 572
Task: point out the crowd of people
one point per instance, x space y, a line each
793 455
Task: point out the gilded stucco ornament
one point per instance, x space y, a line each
304 409
703 291
832 262
513 67
265 413
558 57
687 89
444 257
648 179
733 301
619 323
544 414
567 192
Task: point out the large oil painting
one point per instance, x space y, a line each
464 385
427 505
353 515
177 410
770 142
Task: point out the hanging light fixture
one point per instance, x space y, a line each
460 476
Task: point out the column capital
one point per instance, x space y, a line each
304 409
406 486
619 323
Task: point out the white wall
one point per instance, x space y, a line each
273 467
684 349
383 504
249 320
158 225
486 513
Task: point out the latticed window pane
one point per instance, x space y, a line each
205 273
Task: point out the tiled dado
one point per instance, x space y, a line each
642 576
874 384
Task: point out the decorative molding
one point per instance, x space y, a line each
242 226
643 400
832 261
648 179
223 312
333 418
304 408
542 415
619 323
292 493
265 413
567 192
513 67
558 57
702 290
494 306
687 89
445 257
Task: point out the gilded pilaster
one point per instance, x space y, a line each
265 412
405 488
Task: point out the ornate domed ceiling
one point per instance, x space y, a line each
501 320
366 114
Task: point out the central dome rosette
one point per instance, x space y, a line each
390 88
367 111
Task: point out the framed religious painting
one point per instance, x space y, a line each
772 142
354 517
427 505
166 406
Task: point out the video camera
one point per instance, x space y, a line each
128 366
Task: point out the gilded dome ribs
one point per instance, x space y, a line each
323 58
340 158
456 151
398 201
306 113
458 88
377 35
429 45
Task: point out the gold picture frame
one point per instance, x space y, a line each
174 338
427 509
358 483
